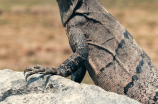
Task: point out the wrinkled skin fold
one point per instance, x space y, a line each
101 45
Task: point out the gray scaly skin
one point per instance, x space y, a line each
101 45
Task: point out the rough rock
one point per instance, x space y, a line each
53 90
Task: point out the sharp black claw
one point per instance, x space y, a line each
26 77
27 69
24 73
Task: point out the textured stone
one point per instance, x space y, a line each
53 90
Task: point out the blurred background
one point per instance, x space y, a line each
31 31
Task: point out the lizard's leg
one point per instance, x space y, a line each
79 74
73 63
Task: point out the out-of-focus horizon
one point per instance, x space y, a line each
31 31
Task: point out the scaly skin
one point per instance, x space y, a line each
106 49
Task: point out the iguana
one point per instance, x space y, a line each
101 45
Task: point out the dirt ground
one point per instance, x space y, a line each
31 31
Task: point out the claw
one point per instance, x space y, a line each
26 70
26 77
29 74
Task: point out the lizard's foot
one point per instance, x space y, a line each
40 70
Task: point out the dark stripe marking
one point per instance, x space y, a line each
139 69
127 35
131 84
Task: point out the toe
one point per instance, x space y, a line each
37 66
28 69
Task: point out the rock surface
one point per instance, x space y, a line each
53 90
